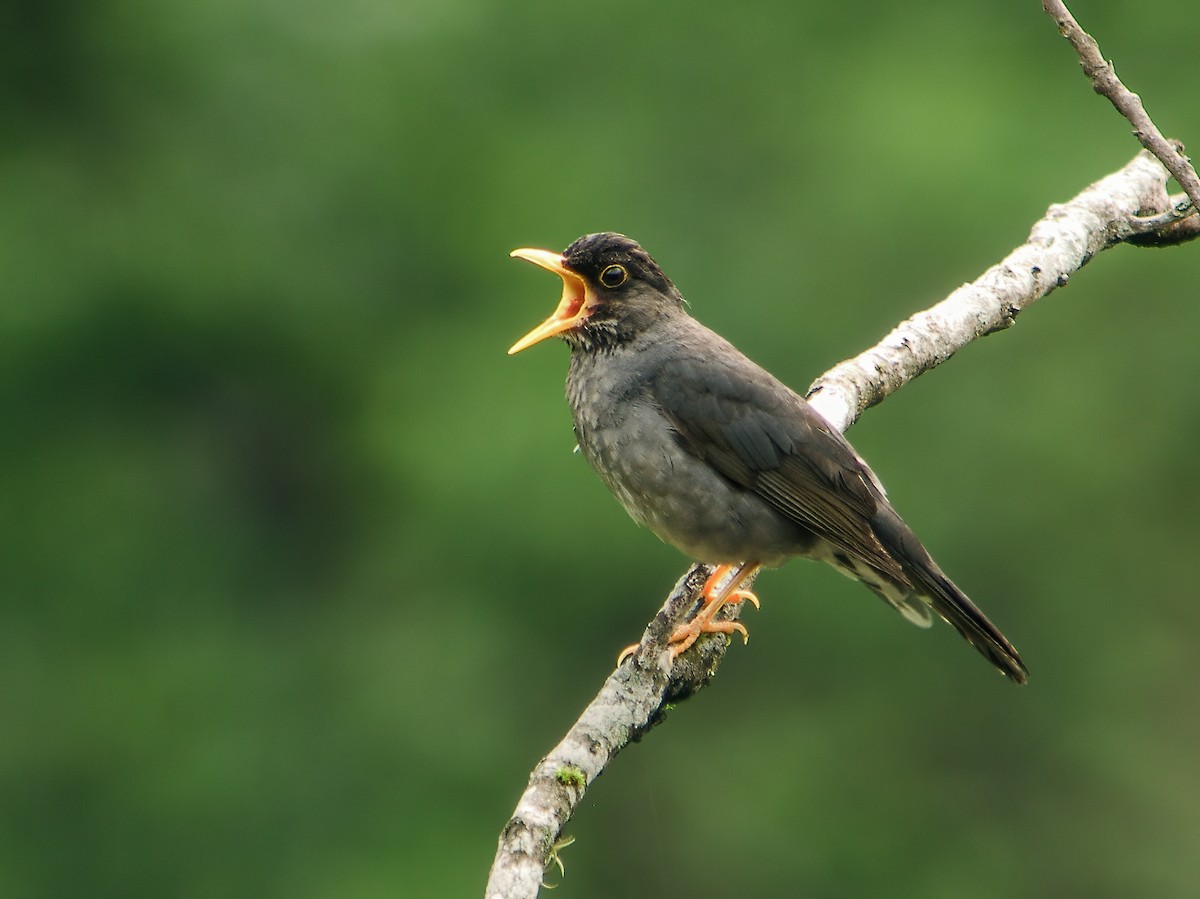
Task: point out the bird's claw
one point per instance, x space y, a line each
627 652
744 595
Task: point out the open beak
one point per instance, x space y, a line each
572 309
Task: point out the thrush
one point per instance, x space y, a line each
719 458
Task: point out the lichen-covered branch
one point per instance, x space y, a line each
636 696
633 699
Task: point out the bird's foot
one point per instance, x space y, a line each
704 621
687 634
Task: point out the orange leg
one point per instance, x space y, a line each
702 623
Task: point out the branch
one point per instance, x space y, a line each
638 694
635 698
1059 245
1106 83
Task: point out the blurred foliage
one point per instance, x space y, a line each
298 574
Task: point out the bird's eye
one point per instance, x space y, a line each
614 276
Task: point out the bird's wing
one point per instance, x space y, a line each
762 436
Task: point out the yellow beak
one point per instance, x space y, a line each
572 309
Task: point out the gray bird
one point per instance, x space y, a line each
720 459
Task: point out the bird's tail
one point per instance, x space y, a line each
931 585
954 606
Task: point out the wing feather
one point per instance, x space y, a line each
762 436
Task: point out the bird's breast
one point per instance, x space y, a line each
681 498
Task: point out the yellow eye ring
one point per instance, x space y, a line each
614 276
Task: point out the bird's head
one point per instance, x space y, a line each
612 291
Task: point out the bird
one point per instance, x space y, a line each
719 458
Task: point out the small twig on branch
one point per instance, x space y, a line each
637 695
1105 82
1181 207
1177 225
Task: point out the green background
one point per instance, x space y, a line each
299 576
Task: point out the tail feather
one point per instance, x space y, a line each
957 610
931 585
